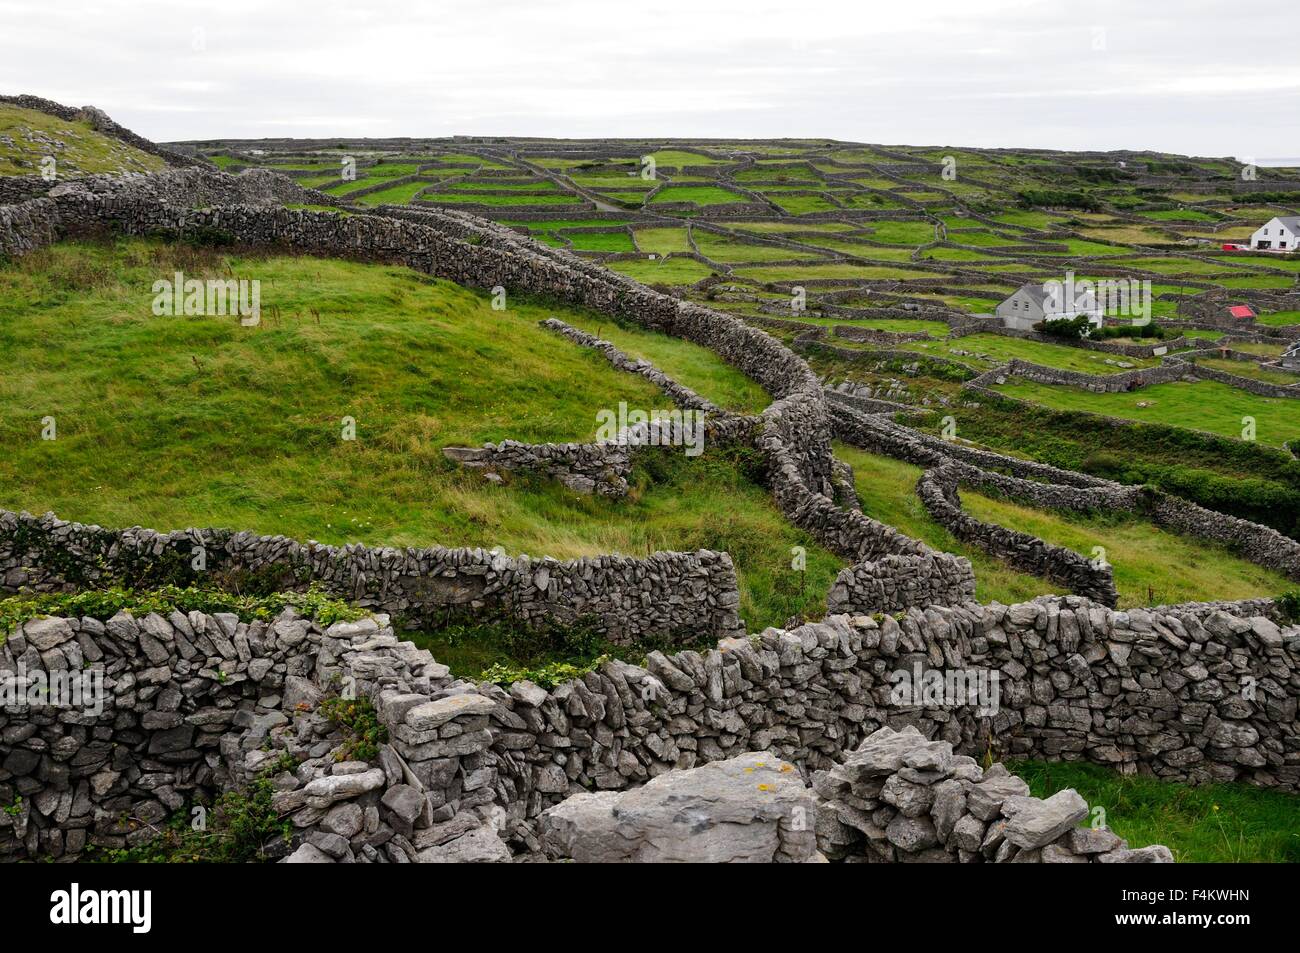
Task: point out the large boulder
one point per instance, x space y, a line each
753 808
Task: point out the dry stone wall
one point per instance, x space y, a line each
1116 383
191 704
665 594
937 489
599 468
1040 485
902 799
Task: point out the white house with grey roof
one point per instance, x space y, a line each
1279 234
1050 301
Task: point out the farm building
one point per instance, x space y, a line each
1278 234
1049 301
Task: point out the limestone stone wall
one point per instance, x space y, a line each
937 489
665 594
1241 381
1098 383
599 468
188 706
22 188
900 798
873 336
194 704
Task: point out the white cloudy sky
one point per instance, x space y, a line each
1204 77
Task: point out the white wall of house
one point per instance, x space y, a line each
1275 236
1022 311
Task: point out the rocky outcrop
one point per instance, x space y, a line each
100 121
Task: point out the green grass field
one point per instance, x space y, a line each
1204 405
699 194
662 271
599 241
1001 349
196 421
662 241
1152 566
1209 824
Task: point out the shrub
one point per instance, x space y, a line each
359 722
1069 329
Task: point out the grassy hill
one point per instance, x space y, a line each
171 422
28 136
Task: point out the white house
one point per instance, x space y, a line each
1280 234
1050 301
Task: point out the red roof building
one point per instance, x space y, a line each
1241 311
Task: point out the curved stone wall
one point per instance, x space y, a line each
1040 485
937 489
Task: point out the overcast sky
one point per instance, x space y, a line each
1193 76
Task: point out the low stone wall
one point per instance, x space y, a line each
937 489
665 594
890 583
1116 383
192 704
873 336
902 799
880 434
1262 545
1107 347
813 341
26 227
1241 382
600 468
23 188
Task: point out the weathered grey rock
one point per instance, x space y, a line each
434 714
985 799
308 854
752 808
479 846
1034 823
322 793
1155 854
47 633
